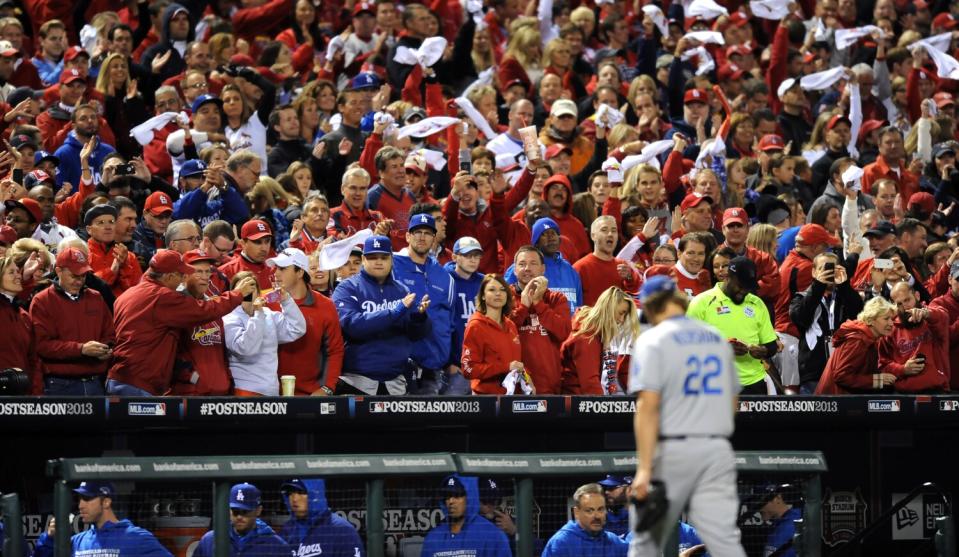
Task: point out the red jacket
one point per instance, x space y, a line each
101 259
149 318
583 363
61 326
598 275
873 172
691 286
319 352
931 339
488 348
263 274
67 211
156 156
16 343
855 359
542 330
949 303
795 276
201 364
26 75
267 19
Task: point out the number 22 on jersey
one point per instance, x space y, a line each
702 376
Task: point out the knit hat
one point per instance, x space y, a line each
541 226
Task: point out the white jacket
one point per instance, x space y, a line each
252 344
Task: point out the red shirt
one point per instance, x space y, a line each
317 353
101 259
16 343
598 275
61 326
542 329
931 339
691 285
264 274
392 207
346 222
795 276
201 352
873 172
488 348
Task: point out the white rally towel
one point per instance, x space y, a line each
852 175
706 37
658 18
335 255
770 9
649 154
939 42
435 159
335 45
516 379
144 132
823 80
485 77
427 127
613 115
715 147
705 62
474 115
426 55
848 37
706 9
613 170
947 66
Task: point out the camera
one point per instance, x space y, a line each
125 169
14 382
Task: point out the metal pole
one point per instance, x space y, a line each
945 537
62 501
375 540
524 517
221 519
13 526
812 517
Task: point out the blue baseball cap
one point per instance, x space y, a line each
94 489
612 481
421 220
467 244
364 80
295 484
377 244
542 225
41 156
453 486
203 99
245 497
192 168
655 285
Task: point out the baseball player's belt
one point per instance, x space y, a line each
684 437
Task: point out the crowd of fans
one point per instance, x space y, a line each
453 198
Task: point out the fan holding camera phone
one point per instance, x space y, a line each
917 351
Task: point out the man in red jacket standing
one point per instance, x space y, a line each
949 302
542 317
316 358
148 320
256 240
917 350
73 328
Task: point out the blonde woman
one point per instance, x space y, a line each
853 366
521 61
763 237
601 334
484 99
263 200
123 107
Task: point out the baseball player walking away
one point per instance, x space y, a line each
683 373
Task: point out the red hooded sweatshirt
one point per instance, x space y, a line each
488 348
795 276
853 363
542 330
949 303
931 339
569 226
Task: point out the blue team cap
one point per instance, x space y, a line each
41 156
94 489
245 497
541 226
364 80
192 168
203 99
612 481
422 220
655 285
453 487
377 244
295 484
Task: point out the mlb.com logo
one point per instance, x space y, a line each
529 406
147 409
378 408
949 405
327 408
884 406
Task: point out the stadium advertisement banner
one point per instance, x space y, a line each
532 408
462 409
265 410
917 520
52 411
145 412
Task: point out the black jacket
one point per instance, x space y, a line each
802 311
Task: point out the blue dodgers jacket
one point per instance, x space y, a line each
478 537
561 278
572 541
783 531
113 539
228 204
261 541
378 330
464 305
69 154
432 351
321 532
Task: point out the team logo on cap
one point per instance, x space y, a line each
164 200
452 482
734 212
239 495
492 484
260 227
696 93
79 257
423 219
376 243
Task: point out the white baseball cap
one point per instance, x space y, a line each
290 256
785 86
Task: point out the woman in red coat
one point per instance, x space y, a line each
591 354
491 347
853 366
16 342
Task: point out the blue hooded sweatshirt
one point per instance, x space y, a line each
432 351
378 330
113 539
69 155
227 204
562 278
261 541
464 305
321 532
783 530
572 541
478 537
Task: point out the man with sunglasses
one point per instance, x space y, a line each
107 534
249 536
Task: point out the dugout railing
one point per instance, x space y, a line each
537 480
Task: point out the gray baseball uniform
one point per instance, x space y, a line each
691 366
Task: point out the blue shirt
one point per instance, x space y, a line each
464 305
